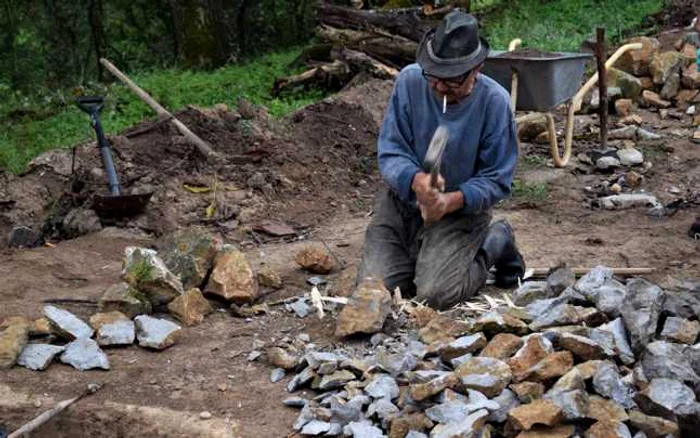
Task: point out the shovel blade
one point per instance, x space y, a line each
121 205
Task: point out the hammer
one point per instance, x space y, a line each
433 157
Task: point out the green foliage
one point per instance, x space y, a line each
562 25
532 160
529 191
62 124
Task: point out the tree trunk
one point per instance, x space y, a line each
10 35
95 16
198 42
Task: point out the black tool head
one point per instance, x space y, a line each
107 206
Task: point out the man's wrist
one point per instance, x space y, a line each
455 201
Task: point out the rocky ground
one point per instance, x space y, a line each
188 313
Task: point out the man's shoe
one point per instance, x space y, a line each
501 252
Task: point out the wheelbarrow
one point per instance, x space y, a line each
115 205
548 79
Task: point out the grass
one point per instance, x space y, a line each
562 25
54 121
529 191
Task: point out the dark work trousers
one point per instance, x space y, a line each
438 263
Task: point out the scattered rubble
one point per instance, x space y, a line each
315 259
156 333
84 354
232 278
66 324
38 357
113 328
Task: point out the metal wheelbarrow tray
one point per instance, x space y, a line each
546 79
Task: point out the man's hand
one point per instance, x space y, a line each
426 194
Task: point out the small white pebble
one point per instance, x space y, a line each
205 415
37 403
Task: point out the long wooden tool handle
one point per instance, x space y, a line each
203 147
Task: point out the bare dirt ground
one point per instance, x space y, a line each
329 160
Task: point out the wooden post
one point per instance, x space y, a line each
201 145
602 86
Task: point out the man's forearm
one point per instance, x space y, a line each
455 201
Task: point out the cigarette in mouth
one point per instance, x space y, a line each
444 103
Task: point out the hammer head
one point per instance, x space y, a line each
433 157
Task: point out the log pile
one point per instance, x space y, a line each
353 42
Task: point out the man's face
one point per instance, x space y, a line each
455 89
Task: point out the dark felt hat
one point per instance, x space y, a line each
453 48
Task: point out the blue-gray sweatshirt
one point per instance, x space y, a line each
481 154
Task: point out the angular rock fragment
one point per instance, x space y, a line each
561 431
366 311
531 291
113 328
422 391
608 383
493 323
335 380
38 357
232 277
574 403
12 341
571 381
269 277
66 324
554 365
190 308
189 254
382 386
449 412
125 299
593 279
667 398
622 346
605 410
146 272
461 346
559 280
507 401
362 429
301 379
582 347
84 354
467 426
536 348
405 423
609 297
543 412
608 430
315 259
443 329
681 330
640 311
484 374
666 360
563 314
276 375
316 428
395 364
281 358
502 346
528 391
653 427
156 333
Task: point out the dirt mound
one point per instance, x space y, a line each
298 170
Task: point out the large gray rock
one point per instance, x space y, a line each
156 333
608 383
350 411
189 253
396 364
507 400
594 279
667 398
316 428
383 409
113 328
80 221
449 412
84 354
680 330
622 346
609 297
559 280
574 404
146 272
382 386
466 427
666 360
461 346
630 157
640 311
531 291
66 324
38 357
362 429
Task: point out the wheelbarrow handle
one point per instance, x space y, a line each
90 104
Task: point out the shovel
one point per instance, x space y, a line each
114 205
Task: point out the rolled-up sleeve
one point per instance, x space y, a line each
498 156
398 163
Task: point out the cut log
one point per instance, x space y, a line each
392 50
359 61
333 75
407 23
